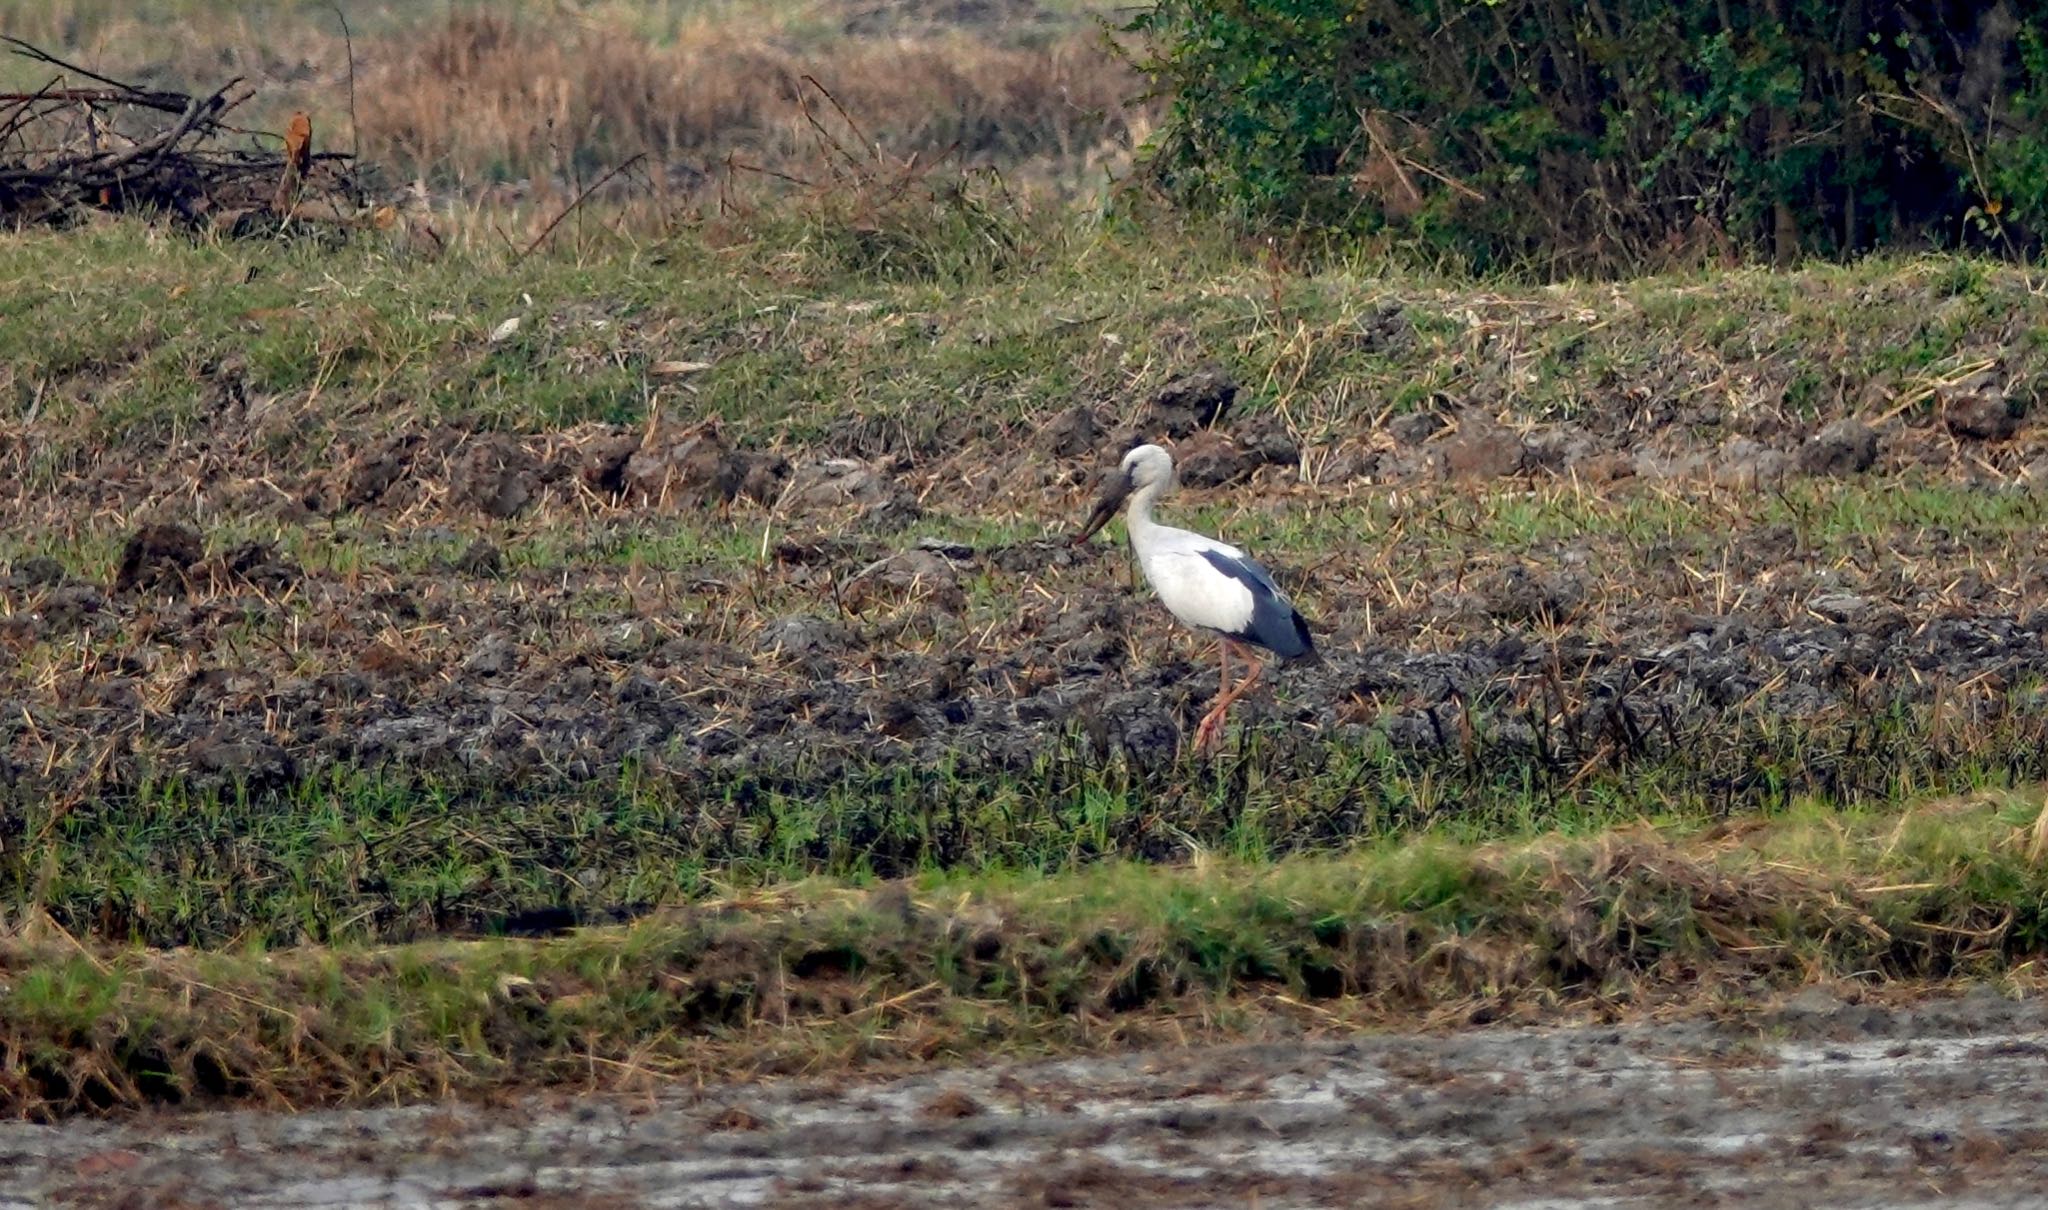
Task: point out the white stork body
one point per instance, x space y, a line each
1207 584
1177 566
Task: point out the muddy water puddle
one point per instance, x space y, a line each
1945 1104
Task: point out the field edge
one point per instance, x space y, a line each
823 976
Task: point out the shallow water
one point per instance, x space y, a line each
1944 1104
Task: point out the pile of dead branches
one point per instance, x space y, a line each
87 142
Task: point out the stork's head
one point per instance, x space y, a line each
1146 468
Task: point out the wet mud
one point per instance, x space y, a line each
1813 1101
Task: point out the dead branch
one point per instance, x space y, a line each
68 148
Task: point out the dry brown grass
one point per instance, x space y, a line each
539 101
487 92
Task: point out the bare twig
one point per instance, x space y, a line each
19 115
826 138
593 187
42 56
169 102
355 132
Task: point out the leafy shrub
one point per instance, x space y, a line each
1610 133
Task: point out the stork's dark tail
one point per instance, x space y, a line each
1309 655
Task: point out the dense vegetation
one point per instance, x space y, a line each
1614 133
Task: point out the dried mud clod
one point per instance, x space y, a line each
36 571
1844 447
1982 413
1414 428
255 761
366 479
836 483
920 574
898 512
602 463
481 558
1077 432
1534 595
951 1105
1193 401
497 476
801 636
156 557
687 466
1208 459
1480 450
256 565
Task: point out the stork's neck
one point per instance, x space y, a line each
1138 520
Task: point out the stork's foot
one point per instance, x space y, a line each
1209 732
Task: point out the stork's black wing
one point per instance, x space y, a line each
1275 624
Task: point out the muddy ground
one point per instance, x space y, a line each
1938 1104
444 651
503 609
1693 566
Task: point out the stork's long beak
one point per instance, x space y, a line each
1113 493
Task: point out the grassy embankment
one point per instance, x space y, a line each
952 968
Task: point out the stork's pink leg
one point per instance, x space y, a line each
1210 730
1211 727
1244 686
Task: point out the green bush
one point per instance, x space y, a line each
1610 133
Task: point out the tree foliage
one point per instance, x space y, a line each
1610 132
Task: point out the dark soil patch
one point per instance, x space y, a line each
156 558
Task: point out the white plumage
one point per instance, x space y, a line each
1190 586
1207 584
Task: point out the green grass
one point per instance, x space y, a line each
950 964
800 339
350 857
